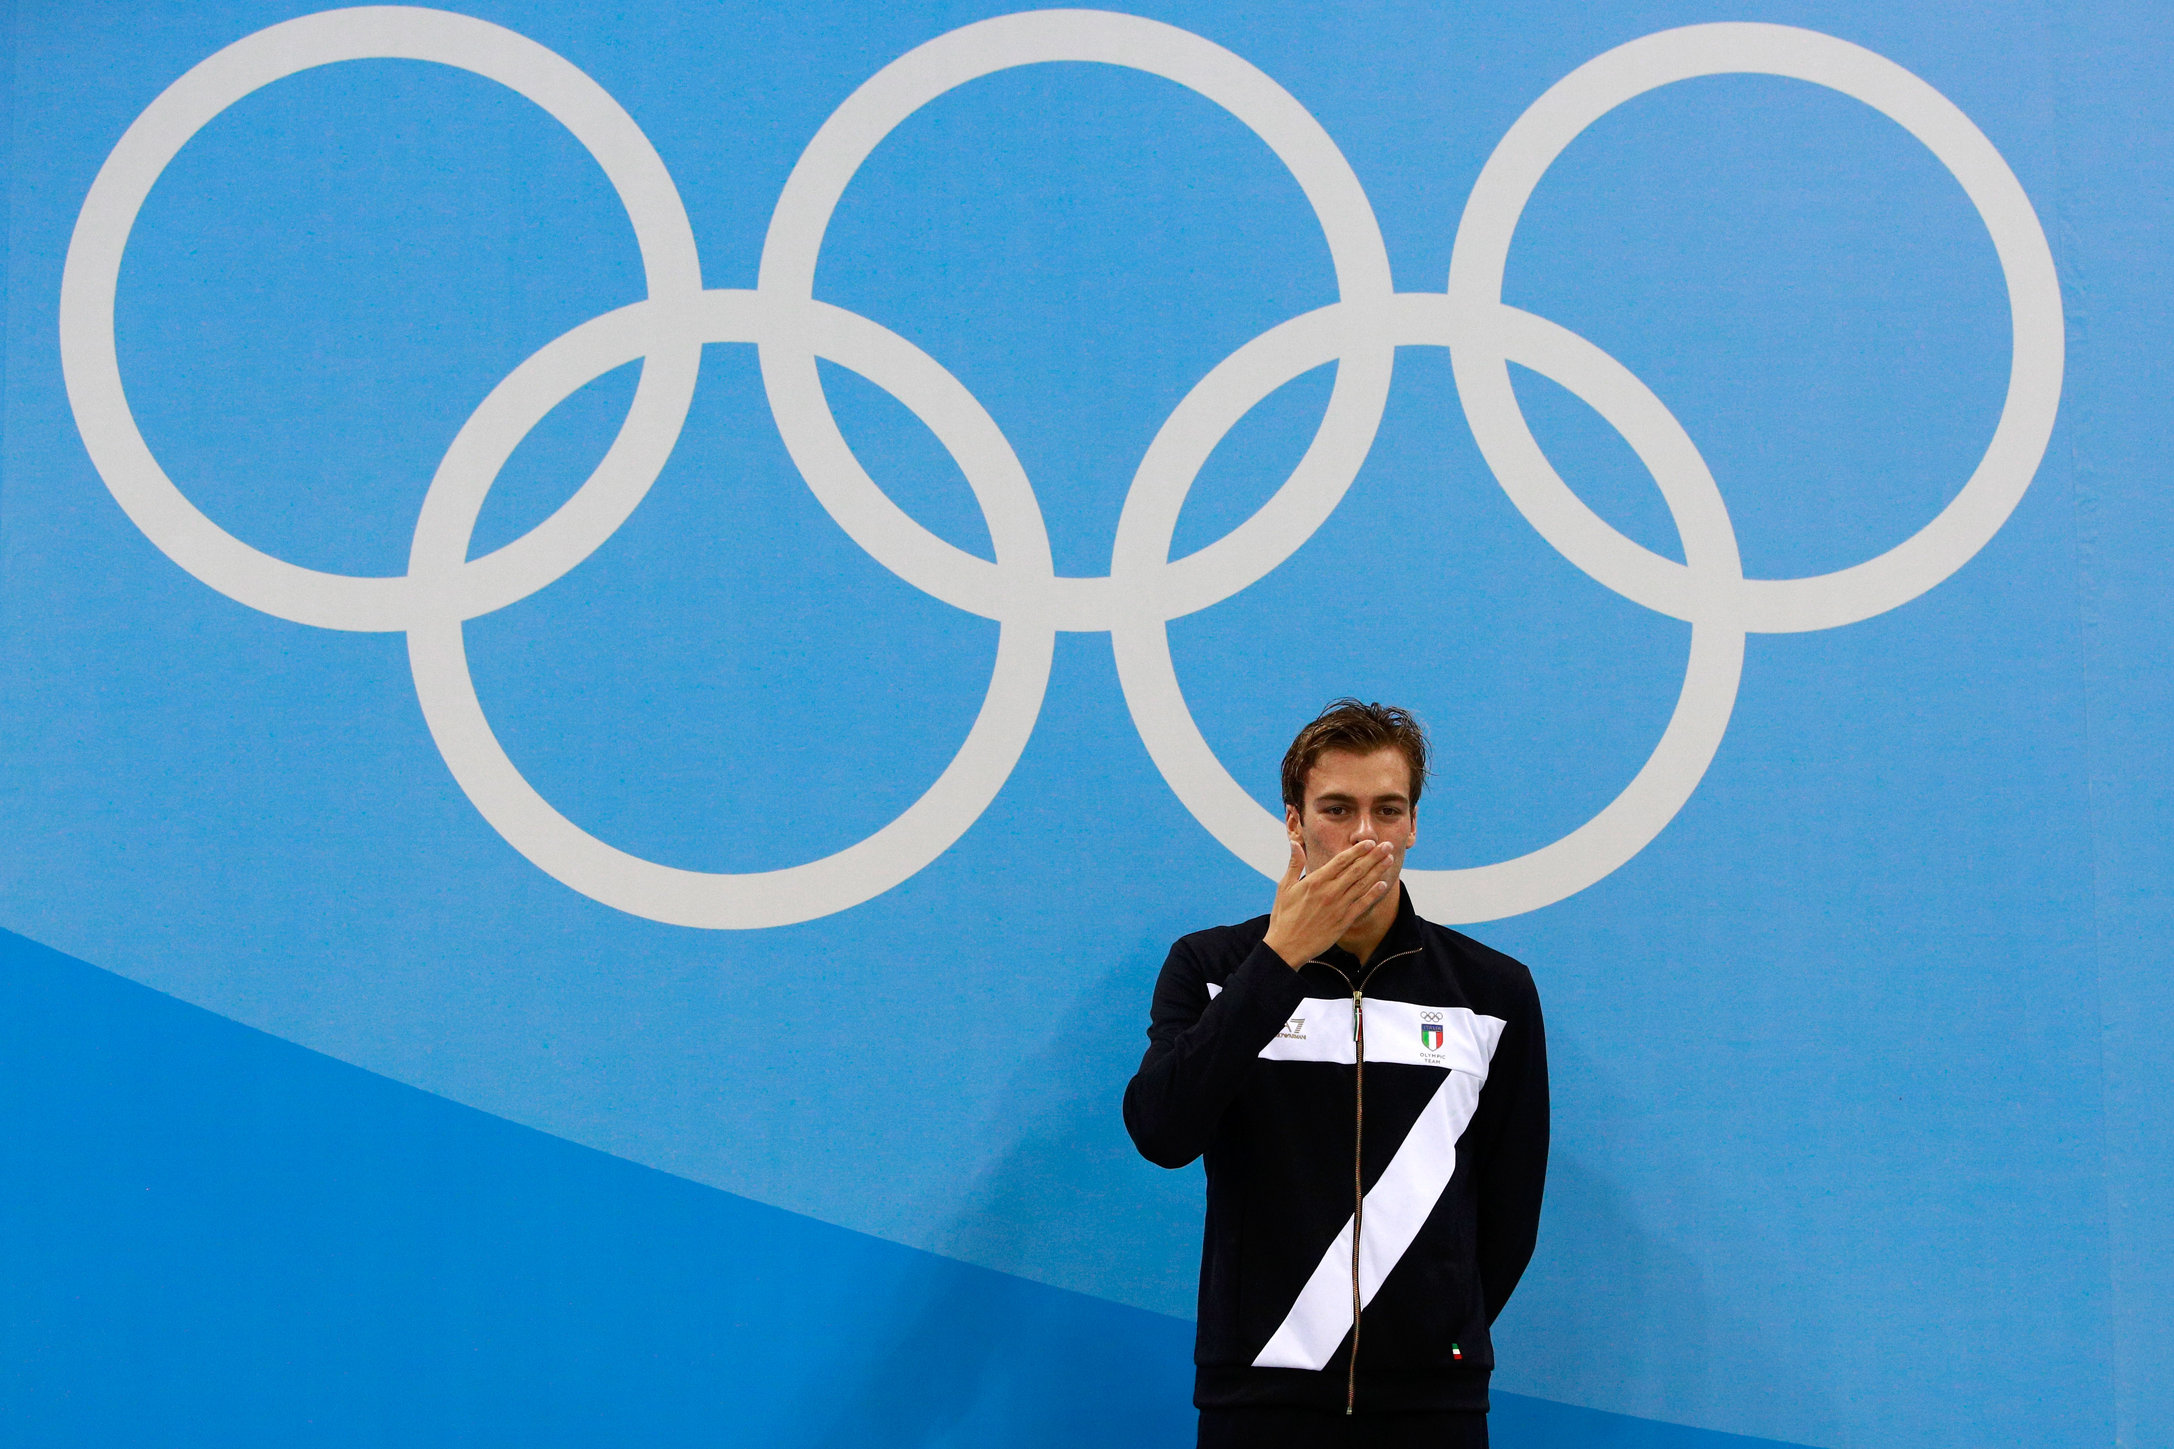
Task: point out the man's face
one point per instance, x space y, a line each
1350 798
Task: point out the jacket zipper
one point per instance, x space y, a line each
1358 1186
1358 1154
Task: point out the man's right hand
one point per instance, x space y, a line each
1313 910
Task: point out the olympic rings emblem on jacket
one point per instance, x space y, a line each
1145 588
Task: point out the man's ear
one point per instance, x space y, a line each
1290 824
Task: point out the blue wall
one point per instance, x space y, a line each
1859 1027
219 1238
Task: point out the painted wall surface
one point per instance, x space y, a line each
711 584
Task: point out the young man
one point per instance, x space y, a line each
1370 1091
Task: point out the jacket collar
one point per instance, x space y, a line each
1402 939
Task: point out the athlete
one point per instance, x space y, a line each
1370 1092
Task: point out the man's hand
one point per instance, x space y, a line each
1313 911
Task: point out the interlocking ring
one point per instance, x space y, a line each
1145 588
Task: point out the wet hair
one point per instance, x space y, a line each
1361 729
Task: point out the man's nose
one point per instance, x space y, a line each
1366 830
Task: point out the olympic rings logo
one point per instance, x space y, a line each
1145 588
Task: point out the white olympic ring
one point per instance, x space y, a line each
1021 590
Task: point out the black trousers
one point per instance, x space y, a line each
1285 1428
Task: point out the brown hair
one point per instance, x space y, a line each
1361 729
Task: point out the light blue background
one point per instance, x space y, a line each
1860 1068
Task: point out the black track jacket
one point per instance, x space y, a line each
1420 1081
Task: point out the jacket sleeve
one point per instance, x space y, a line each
1200 1051
1514 1168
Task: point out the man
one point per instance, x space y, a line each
1370 1091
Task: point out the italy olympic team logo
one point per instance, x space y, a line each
1145 588
1430 1036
